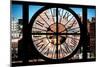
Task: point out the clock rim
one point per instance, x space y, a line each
81 33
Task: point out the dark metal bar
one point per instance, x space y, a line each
85 33
25 19
57 32
23 43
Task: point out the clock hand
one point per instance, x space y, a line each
49 29
62 39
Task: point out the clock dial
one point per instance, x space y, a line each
56 33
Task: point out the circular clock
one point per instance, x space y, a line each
56 33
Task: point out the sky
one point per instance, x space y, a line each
91 13
16 11
77 11
33 10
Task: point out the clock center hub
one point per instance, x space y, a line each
56 29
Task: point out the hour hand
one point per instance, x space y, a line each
49 29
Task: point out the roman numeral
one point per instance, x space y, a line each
66 15
47 52
68 20
40 45
53 53
73 41
59 12
67 48
44 20
63 52
39 42
58 53
44 47
39 23
53 14
46 15
71 47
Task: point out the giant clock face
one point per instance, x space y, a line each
56 33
